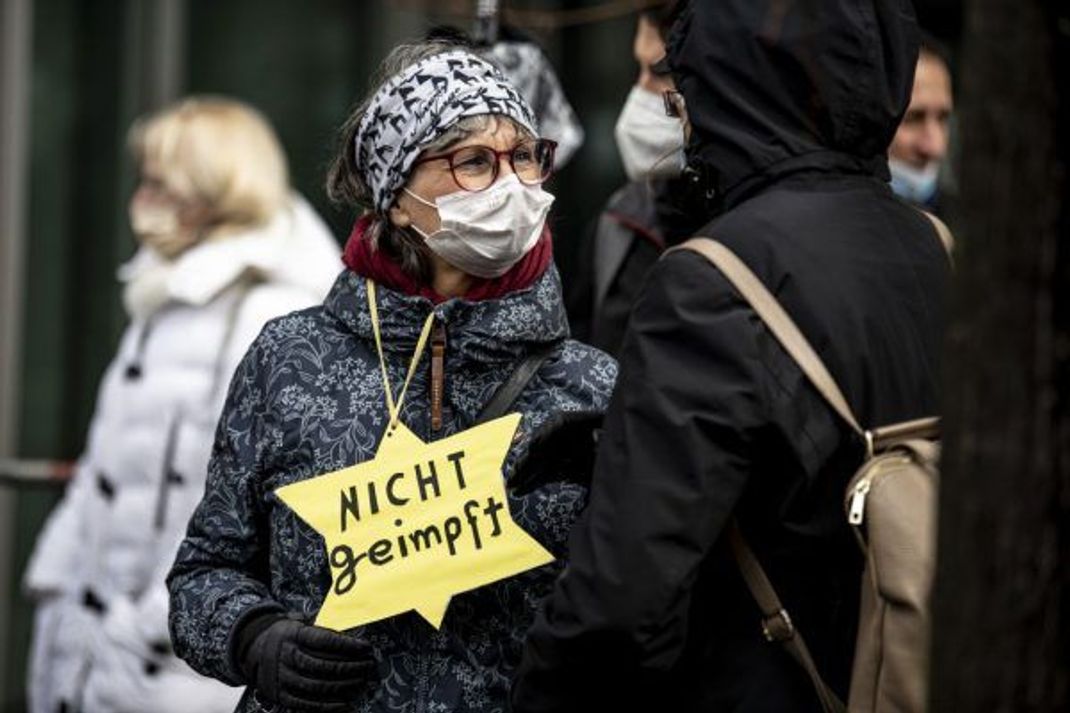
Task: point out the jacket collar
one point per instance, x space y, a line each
816 163
201 273
493 331
664 211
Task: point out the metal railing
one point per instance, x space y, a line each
16 472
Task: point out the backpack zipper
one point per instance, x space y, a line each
857 512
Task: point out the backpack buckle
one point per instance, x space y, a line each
778 627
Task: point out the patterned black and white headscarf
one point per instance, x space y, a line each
526 66
420 104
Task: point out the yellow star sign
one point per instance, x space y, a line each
416 525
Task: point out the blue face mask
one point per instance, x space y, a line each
915 185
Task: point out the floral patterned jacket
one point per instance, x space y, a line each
308 399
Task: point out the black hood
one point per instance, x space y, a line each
774 86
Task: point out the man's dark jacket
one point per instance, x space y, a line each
792 106
640 221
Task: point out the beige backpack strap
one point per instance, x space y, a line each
943 231
776 624
777 320
919 429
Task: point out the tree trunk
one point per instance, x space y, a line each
1000 599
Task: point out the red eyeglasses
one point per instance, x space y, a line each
475 168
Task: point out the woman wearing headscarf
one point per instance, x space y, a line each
453 252
225 245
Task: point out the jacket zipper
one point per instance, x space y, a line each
423 692
168 476
438 374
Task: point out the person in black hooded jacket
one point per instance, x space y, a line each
791 107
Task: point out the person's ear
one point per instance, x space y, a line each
400 217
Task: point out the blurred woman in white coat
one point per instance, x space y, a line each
225 245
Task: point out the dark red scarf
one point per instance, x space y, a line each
364 260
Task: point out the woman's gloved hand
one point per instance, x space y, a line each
304 667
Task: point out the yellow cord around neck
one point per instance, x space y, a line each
394 407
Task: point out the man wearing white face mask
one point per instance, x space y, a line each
916 155
651 144
647 215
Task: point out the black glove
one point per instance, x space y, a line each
303 667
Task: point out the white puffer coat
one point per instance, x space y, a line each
101 642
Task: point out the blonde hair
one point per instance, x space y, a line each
218 151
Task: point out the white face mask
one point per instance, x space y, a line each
157 226
486 233
916 185
651 144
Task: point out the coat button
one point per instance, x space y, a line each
105 486
93 603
